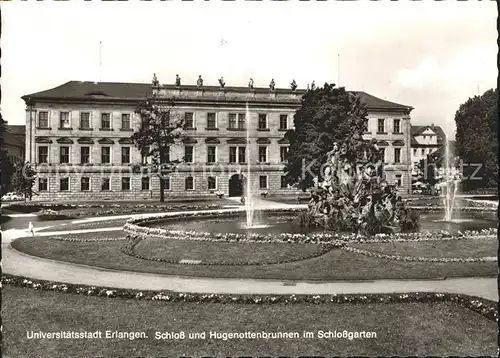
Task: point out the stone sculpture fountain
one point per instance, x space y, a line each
353 196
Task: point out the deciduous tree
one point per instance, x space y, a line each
477 139
161 128
326 115
24 180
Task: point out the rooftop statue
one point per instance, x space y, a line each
177 80
250 83
313 86
199 83
272 85
156 83
221 82
293 85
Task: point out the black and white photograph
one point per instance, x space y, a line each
249 178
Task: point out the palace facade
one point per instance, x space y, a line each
78 136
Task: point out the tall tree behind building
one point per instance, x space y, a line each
327 115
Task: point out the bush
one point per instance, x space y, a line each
21 208
306 219
409 221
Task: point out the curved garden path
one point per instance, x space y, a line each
20 264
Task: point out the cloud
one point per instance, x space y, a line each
420 76
473 64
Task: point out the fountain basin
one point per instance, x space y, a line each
277 222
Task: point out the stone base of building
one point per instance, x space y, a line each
185 183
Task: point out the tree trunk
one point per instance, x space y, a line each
162 161
162 192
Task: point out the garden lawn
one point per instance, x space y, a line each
173 250
116 208
336 264
435 249
401 329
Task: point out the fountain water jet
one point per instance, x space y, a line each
250 200
450 186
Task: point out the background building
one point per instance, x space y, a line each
79 133
425 140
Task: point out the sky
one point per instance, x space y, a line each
431 55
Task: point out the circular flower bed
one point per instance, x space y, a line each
135 227
486 308
220 253
418 258
86 239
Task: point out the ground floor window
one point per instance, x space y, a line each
43 184
263 182
105 184
399 181
85 184
125 184
212 183
64 184
189 183
166 183
284 183
145 183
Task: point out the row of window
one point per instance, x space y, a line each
189 183
85 121
397 155
381 126
236 121
422 151
236 154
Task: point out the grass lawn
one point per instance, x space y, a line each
224 252
401 329
117 208
334 265
451 248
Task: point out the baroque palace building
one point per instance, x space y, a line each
78 137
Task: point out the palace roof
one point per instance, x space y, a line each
78 90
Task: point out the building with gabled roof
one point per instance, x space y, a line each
425 140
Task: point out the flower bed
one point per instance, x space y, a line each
473 208
418 258
86 239
486 308
227 260
134 227
49 215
